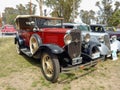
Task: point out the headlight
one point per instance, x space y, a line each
114 37
101 38
87 38
67 39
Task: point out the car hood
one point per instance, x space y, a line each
55 30
94 33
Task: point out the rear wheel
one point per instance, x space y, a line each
50 66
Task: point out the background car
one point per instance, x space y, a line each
94 37
112 36
8 29
104 29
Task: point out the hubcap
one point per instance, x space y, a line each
47 65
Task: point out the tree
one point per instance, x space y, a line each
30 8
114 20
21 9
40 2
10 13
106 10
64 8
117 5
87 16
26 10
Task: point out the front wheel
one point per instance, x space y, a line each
50 66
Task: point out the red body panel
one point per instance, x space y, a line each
48 36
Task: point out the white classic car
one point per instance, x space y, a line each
106 44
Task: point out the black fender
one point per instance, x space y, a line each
52 47
55 49
87 56
89 46
19 40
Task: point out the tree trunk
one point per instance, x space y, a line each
40 6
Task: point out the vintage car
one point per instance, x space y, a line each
103 47
8 29
59 49
104 29
112 31
112 36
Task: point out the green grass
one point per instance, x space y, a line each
12 64
10 61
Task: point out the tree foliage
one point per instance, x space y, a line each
64 8
10 13
87 16
25 10
114 20
106 10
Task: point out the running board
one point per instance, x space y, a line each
27 52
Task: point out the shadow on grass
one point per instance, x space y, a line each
72 76
35 62
63 77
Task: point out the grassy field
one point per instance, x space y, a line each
23 73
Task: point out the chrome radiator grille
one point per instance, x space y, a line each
107 41
74 48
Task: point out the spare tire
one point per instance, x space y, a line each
35 42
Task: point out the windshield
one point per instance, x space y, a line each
97 29
9 27
84 28
30 23
44 23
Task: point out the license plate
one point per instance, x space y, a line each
95 55
77 60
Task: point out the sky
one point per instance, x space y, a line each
85 4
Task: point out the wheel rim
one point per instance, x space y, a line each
33 45
47 65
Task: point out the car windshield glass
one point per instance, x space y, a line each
30 23
84 28
97 29
44 23
9 27
68 26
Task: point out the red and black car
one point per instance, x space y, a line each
58 49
